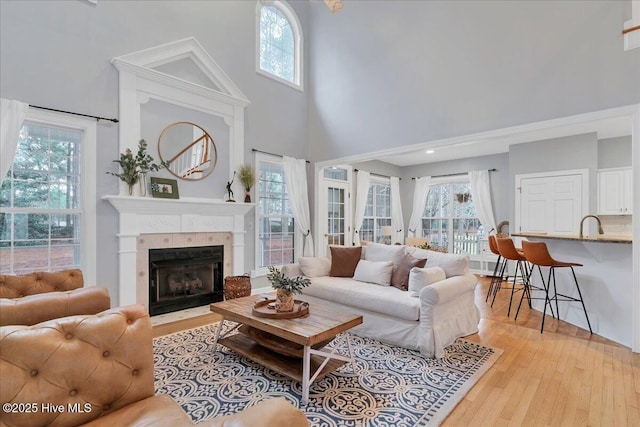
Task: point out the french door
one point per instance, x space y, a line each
336 214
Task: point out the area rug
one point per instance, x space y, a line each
392 386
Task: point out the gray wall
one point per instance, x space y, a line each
57 54
396 73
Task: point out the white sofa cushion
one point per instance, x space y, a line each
421 277
380 252
378 272
452 264
365 296
314 266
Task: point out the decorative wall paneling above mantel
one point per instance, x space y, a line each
140 80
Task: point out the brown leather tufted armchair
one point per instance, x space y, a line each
36 297
97 370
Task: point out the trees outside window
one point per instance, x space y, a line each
276 229
279 54
41 216
450 220
377 213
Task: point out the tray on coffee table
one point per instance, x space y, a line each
267 309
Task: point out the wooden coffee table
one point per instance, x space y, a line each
322 324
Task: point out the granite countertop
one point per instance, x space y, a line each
599 238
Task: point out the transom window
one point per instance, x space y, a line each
377 214
276 230
450 220
41 222
279 43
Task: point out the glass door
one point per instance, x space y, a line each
336 212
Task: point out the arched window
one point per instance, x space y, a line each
279 43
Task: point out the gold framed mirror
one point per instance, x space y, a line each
190 149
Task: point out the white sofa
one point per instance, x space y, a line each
437 308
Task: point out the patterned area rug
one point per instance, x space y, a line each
392 386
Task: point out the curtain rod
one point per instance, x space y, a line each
75 114
255 150
454 174
376 174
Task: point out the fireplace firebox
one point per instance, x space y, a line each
181 278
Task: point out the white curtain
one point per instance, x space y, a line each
295 176
481 195
12 114
419 199
397 222
363 181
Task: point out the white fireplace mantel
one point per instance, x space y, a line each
147 215
149 205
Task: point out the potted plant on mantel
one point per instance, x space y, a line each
135 169
247 177
285 288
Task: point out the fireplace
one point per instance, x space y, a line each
181 278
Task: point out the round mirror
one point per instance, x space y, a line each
189 149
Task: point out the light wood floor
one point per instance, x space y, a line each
563 377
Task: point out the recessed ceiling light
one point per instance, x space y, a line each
429 151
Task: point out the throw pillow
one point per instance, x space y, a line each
380 252
315 266
422 277
400 276
378 272
453 264
344 260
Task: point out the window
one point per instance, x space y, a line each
44 224
337 174
450 221
377 214
279 43
276 231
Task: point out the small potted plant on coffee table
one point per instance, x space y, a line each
285 288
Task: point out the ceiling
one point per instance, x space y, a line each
493 143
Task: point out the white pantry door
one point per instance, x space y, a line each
551 203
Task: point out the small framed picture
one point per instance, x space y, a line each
164 188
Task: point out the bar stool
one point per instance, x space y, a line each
495 279
508 251
537 254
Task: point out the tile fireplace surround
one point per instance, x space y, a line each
148 223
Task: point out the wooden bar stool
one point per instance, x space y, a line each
498 269
508 251
538 254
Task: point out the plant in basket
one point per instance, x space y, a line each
286 288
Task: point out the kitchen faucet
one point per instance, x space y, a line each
600 230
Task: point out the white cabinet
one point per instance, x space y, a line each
614 191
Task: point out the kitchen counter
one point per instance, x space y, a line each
600 238
606 281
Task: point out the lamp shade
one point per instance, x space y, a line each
386 230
